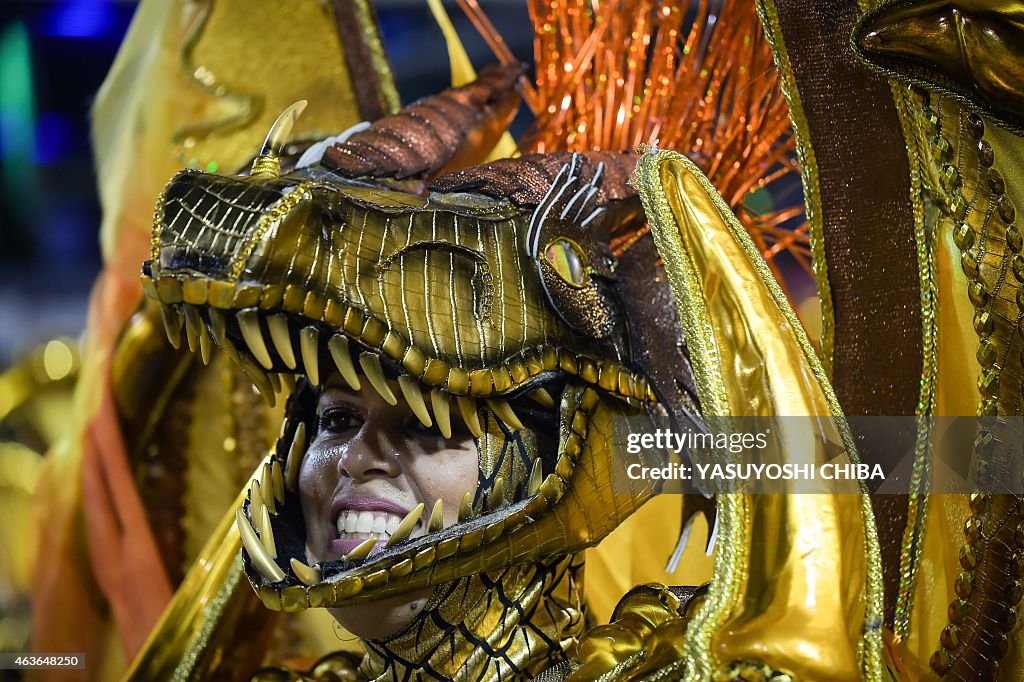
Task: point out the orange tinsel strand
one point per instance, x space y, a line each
697 75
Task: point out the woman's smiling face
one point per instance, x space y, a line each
368 465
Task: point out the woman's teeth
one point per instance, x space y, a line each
361 525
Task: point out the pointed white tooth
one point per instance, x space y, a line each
406 527
365 522
276 479
172 324
351 521
267 533
542 397
282 339
205 345
505 413
249 323
375 374
467 408
340 523
436 517
497 496
380 523
466 508
295 455
442 411
536 478
263 562
362 550
712 538
193 326
258 378
338 345
307 575
411 392
392 524
309 346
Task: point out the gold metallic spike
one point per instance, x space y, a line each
268 163
257 552
267 488
541 396
295 454
375 374
405 528
249 323
287 381
309 347
361 550
505 413
267 532
536 478
497 496
338 345
467 408
436 517
218 325
219 329
256 504
193 326
276 480
259 379
308 575
466 508
411 391
172 324
442 411
282 339
275 381
205 345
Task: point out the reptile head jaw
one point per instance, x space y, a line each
471 301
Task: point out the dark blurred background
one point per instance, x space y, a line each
53 56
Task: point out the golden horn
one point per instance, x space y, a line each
268 163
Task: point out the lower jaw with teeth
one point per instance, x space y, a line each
356 527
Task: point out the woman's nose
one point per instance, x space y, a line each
370 454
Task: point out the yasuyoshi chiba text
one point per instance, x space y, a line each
831 471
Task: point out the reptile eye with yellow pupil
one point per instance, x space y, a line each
567 260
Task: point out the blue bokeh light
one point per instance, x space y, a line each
81 19
53 138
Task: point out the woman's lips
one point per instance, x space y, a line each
359 518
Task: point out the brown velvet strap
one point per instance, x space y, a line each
863 176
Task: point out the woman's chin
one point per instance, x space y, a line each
383 618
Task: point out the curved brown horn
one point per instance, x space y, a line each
454 129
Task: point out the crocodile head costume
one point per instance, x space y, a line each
490 293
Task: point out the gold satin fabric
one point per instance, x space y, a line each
797 584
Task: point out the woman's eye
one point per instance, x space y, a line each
338 421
